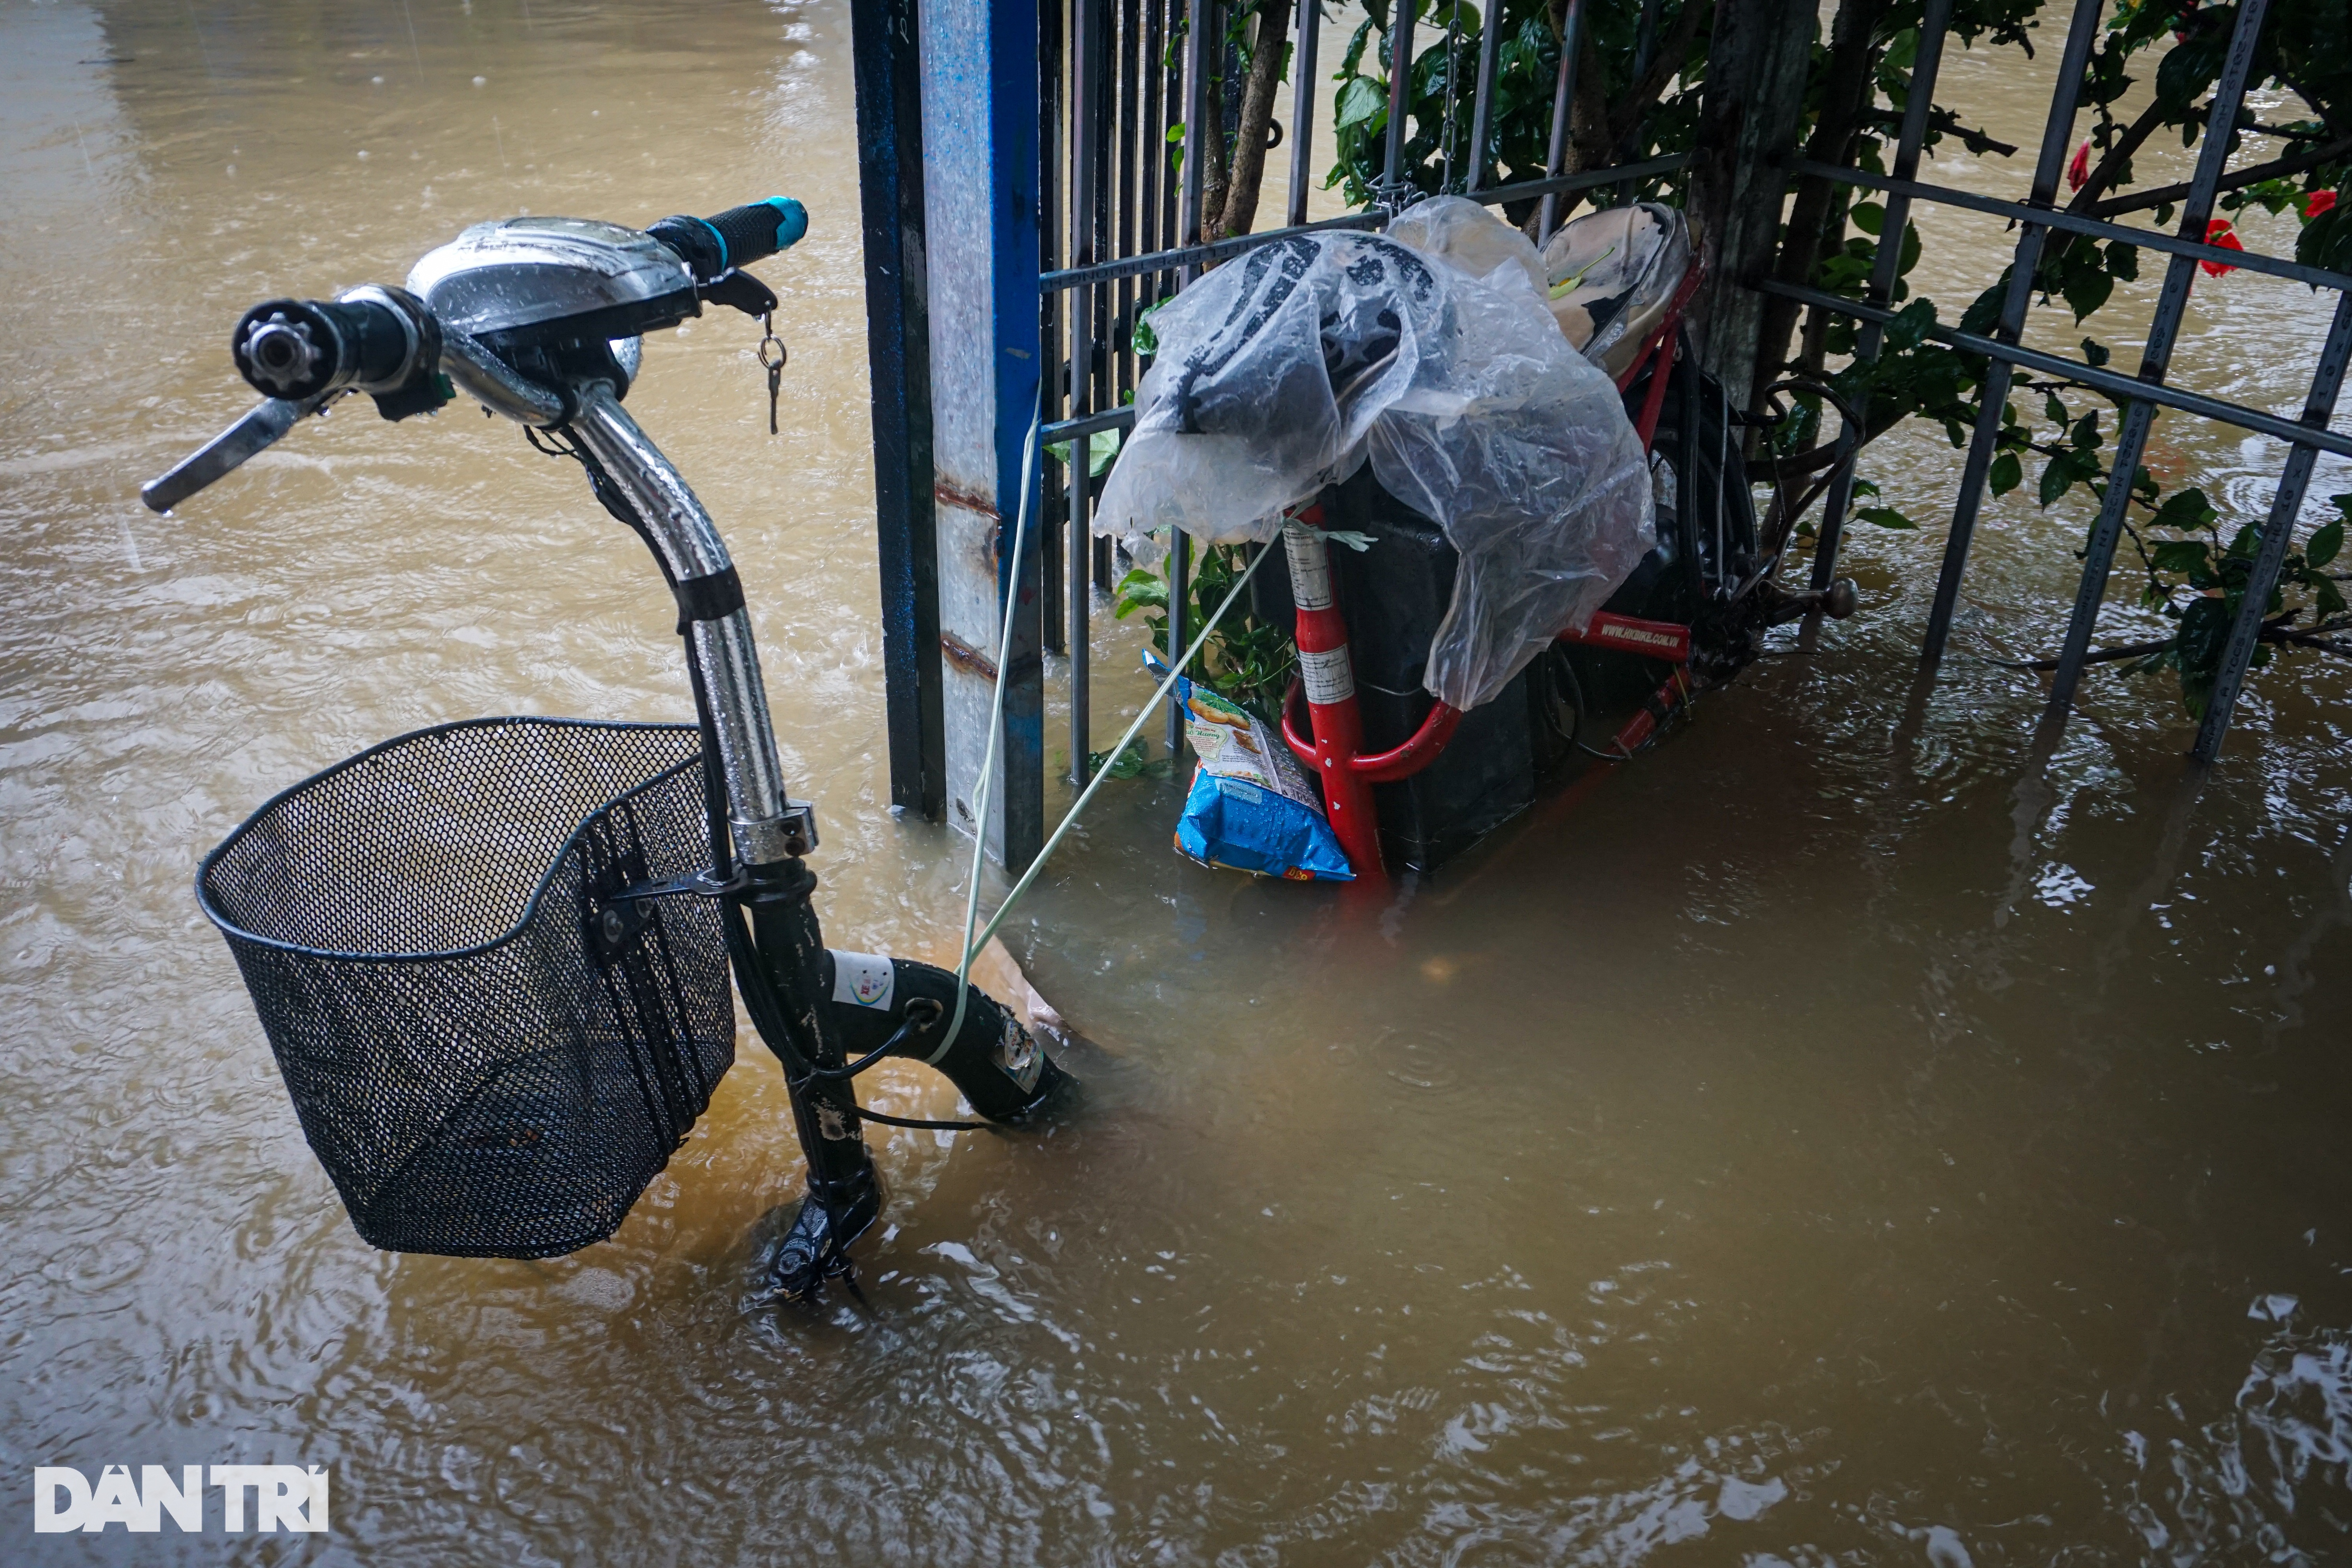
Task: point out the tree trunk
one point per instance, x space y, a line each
1216 173
1846 91
1266 59
1757 57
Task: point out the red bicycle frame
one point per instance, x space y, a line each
1332 744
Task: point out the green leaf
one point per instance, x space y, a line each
1909 327
2188 68
2006 475
2326 544
2094 353
2086 290
2123 261
1362 102
1146 336
1139 590
2058 477
2053 410
1884 517
2326 598
1126 765
2085 437
1910 254
1868 217
1102 450
2179 555
1984 311
2327 240
2184 510
2249 540
2204 629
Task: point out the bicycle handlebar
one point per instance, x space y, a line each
711 247
300 353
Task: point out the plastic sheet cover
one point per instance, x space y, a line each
1288 368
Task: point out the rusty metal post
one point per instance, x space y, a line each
980 118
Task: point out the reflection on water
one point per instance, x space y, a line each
1841 1137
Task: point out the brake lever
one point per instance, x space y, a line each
741 290
264 424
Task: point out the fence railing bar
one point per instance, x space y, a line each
2057 140
1196 256
2120 386
1086 84
1200 23
1400 42
1302 107
1226 249
1130 155
2286 507
1152 151
1560 184
2155 359
1084 424
1172 96
1482 103
1202 27
1563 96
1058 357
1446 134
1887 267
2073 223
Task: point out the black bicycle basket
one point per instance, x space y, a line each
489 1054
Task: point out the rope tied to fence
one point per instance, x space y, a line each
972 944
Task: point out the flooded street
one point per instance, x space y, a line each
1839 1136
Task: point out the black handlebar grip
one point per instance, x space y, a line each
295 349
756 232
736 238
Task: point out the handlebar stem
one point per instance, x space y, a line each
759 813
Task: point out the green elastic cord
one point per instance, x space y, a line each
972 945
988 757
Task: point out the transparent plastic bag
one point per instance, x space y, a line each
1288 368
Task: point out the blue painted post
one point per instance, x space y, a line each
979 191
898 339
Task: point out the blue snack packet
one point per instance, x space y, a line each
1251 807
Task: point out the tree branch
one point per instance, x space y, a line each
1673 54
1240 210
2275 630
2164 196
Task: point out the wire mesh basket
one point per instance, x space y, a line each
490 1055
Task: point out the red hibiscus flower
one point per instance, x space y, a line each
2220 234
2320 202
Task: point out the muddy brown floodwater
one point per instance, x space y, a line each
1839 1136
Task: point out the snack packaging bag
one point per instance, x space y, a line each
1251 807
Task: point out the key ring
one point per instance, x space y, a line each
768 325
774 367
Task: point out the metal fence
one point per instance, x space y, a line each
2141 394
1120 210
1121 214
